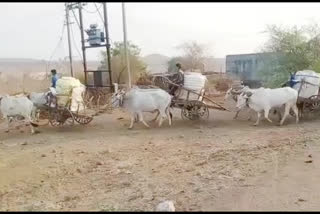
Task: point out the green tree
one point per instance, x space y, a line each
118 62
294 48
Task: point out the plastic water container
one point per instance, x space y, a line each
194 81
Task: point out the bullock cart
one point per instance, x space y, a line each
307 84
60 112
307 105
193 105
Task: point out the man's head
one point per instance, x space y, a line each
178 65
53 71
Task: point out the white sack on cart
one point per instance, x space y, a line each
77 102
65 85
195 82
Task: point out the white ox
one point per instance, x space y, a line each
233 94
13 107
264 99
42 100
136 101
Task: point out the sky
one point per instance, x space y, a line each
33 30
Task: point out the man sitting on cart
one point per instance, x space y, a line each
176 78
54 78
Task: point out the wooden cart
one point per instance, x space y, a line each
192 109
62 115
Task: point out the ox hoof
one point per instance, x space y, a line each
36 132
7 131
255 124
130 128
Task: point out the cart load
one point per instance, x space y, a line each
70 104
65 85
195 82
306 82
70 92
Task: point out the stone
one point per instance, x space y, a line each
166 206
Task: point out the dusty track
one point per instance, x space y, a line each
218 164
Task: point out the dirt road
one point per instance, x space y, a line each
217 164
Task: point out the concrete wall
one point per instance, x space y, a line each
245 66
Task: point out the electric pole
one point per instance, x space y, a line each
125 43
69 41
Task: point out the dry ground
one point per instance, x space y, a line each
217 164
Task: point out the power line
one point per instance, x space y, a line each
75 17
91 11
74 42
55 49
98 9
60 40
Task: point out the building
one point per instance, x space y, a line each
247 67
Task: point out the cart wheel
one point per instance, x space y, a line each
82 119
195 110
311 104
59 117
315 102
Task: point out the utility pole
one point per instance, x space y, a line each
83 45
107 39
69 41
97 74
125 43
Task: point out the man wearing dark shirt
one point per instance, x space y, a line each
177 78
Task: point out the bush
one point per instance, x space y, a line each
144 79
221 84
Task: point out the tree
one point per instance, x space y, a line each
193 55
118 62
295 48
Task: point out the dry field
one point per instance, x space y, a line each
217 164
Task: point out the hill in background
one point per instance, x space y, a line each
157 63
